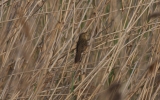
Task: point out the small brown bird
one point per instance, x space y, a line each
81 46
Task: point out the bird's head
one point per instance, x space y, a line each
83 36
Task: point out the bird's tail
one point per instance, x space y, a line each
78 57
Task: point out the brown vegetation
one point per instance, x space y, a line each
38 41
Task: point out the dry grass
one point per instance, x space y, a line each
37 52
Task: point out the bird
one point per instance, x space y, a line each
81 46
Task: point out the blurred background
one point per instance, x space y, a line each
38 41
